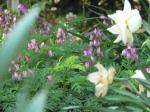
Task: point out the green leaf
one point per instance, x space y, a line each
126 99
146 43
78 35
71 62
127 81
146 27
149 14
147 75
17 38
144 5
71 107
21 102
128 94
37 103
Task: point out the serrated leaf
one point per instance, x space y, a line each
71 62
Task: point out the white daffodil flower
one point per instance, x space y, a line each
139 75
127 21
101 79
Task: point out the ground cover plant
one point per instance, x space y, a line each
91 59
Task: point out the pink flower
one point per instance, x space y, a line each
27 73
99 52
16 76
19 56
49 53
130 53
42 44
22 8
97 33
49 77
46 29
33 46
148 69
61 35
27 58
87 64
17 67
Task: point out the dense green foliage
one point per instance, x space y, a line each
68 89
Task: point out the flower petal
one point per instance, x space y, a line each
111 73
118 39
139 75
123 30
127 6
129 37
114 29
101 69
101 90
135 21
117 17
94 77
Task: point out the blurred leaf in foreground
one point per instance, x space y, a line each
36 104
17 39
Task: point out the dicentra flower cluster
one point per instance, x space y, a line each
61 36
22 8
7 20
130 53
94 45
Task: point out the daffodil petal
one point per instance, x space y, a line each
101 69
117 17
138 75
94 77
135 21
118 39
123 31
127 6
111 73
129 37
101 90
114 29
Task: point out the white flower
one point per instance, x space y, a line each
127 22
56 1
71 16
101 79
139 75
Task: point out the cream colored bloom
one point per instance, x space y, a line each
101 79
139 75
127 21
